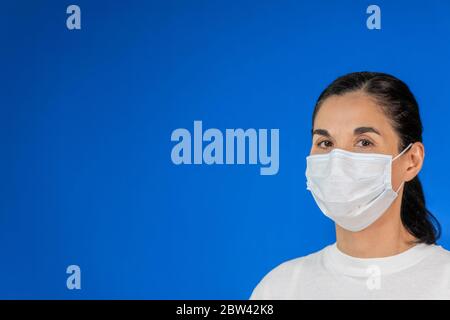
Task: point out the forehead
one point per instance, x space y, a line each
346 112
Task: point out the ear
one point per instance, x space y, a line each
414 160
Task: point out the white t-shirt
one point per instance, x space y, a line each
421 272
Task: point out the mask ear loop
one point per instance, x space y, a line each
401 153
401 185
397 156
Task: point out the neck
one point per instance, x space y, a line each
385 237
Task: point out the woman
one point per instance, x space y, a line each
362 172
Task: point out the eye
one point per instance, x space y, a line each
364 143
325 144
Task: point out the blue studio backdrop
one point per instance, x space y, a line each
87 115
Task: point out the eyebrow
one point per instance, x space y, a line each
356 131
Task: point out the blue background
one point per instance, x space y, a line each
86 118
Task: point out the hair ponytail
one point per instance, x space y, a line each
415 216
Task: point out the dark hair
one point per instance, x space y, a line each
400 106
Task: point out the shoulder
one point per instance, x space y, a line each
277 283
440 256
437 268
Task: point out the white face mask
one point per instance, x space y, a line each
352 189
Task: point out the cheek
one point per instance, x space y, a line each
397 174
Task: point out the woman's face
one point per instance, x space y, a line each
354 122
